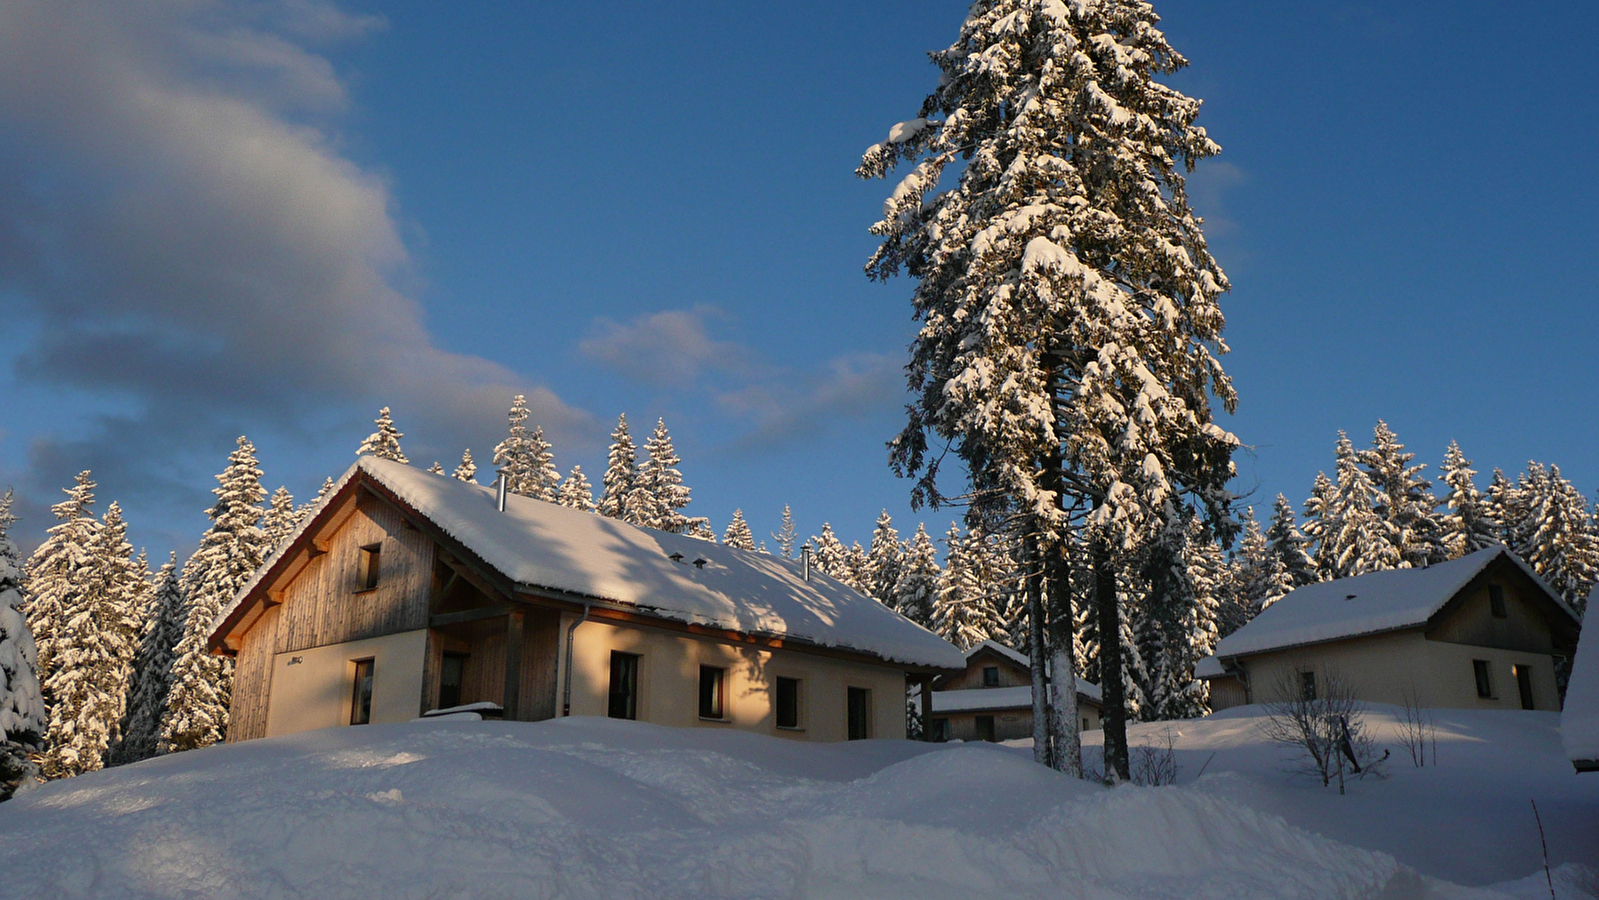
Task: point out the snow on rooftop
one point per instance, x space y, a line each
1209 667
1018 697
1579 721
1364 604
543 545
1014 656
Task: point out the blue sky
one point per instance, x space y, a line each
272 219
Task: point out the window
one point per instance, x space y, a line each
985 728
859 703
1524 685
1496 600
938 730
713 688
991 676
788 702
450 677
1307 685
366 572
1485 686
361 697
624 686
1085 724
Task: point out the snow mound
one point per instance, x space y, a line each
579 808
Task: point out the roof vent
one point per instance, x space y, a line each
675 557
1349 596
700 562
501 485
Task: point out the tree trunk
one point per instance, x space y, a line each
1110 660
1067 740
1032 582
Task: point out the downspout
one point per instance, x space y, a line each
566 698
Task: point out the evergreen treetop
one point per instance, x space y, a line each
576 492
467 470
738 532
384 443
526 458
621 471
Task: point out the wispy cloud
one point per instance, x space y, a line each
846 389
672 346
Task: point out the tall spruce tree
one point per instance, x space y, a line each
467 470
738 534
917 587
1318 525
1070 325
22 713
1554 533
1403 500
1469 523
659 495
828 553
1184 576
883 560
857 568
526 458
786 534
280 520
160 632
621 472
229 553
1360 541
1258 578
88 683
384 443
964 610
57 572
1290 546
576 492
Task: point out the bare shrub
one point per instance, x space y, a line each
1155 764
1325 725
1417 729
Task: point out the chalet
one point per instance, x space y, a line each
991 699
407 592
1479 632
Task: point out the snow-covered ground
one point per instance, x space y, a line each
582 808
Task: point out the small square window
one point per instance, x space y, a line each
361 697
366 573
788 702
1485 685
991 676
713 690
451 675
859 703
624 686
1307 685
1496 600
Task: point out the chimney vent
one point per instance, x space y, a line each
805 556
700 562
500 486
675 557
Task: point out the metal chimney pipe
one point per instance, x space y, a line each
500 485
805 556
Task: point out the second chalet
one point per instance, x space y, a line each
406 592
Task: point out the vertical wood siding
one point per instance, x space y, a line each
252 680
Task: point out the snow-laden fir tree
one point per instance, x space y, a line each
87 685
1290 546
1360 540
883 560
828 553
526 458
964 612
280 520
1554 533
22 713
160 632
323 491
1404 500
786 534
1070 329
1186 579
229 553
384 443
436 469
1258 579
917 588
467 470
857 568
576 492
58 570
738 534
621 471
1318 525
659 495
1505 506
1468 523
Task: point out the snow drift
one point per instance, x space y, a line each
597 808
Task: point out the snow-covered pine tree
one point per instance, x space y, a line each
467 470
621 472
857 569
436 469
1259 578
384 443
1318 525
280 520
323 491
964 612
1505 505
576 492
917 587
1185 578
1290 546
1404 500
22 713
1555 534
738 534
152 665
828 553
1469 523
883 560
88 684
56 573
785 535
659 495
526 458
1070 328
1361 541
229 553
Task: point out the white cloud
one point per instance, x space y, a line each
668 347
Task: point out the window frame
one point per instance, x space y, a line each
1482 674
864 733
990 682
799 703
717 710
1523 676
368 567
361 690
1496 602
1307 685
630 669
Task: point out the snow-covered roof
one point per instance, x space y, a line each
1019 697
544 546
1209 667
1013 655
1365 604
1579 721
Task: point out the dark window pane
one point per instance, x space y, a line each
1496 600
940 729
1479 668
624 686
366 575
361 700
450 677
1307 685
991 676
985 728
711 684
788 702
859 714
1524 686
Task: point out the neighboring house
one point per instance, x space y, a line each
406 592
1479 632
1579 721
992 698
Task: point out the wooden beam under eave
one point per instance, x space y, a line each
467 615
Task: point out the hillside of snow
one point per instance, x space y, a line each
582 808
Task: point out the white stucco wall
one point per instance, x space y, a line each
312 688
